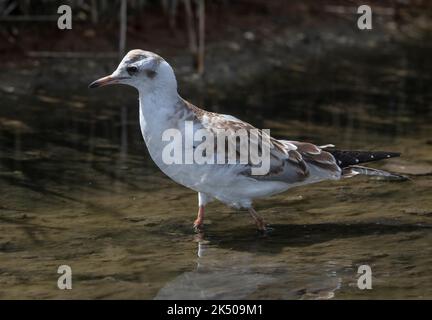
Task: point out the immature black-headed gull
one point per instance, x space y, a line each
290 163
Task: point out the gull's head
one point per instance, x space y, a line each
143 70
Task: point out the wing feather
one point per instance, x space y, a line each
290 161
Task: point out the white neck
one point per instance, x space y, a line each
155 113
157 101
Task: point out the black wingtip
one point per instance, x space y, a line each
395 154
349 158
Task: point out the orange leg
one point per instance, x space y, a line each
199 222
258 220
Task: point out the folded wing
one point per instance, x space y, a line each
290 161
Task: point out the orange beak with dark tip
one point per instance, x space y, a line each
106 81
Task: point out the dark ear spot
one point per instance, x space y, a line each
151 74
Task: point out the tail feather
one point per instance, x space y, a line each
349 158
351 171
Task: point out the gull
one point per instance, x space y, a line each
292 163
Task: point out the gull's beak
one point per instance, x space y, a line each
106 81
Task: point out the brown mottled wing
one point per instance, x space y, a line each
289 160
315 156
286 164
308 156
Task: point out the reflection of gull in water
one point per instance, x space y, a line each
224 274
218 276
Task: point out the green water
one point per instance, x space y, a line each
78 188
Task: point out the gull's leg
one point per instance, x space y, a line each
199 221
258 220
203 199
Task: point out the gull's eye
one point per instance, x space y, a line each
132 70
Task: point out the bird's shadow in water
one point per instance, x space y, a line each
299 235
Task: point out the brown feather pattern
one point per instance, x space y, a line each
290 160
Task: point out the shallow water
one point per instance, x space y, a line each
78 188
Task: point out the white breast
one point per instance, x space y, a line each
219 181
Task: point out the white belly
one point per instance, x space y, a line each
219 181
